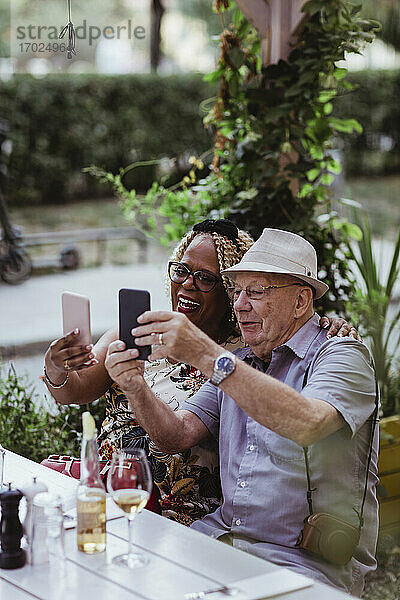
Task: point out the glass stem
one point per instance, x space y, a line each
130 536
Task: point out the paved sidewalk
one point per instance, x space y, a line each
30 314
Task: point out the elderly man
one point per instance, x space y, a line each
293 412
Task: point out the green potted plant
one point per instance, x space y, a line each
371 309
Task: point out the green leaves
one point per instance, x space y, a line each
274 128
214 76
348 230
312 174
333 166
370 306
26 425
339 73
327 179
247 194
345 125
312 6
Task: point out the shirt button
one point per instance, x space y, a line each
251 447
242 484
238 522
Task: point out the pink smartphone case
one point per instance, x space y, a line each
76 314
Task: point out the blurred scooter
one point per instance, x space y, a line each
15 263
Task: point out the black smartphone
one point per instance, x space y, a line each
132 303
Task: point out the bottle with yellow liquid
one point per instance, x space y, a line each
91 494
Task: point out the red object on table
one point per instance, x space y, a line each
71 467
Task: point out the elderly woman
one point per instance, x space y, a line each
188 482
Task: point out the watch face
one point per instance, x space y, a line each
225 364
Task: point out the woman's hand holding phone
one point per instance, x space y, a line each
64 355
73 351
125 361
132 303
124 367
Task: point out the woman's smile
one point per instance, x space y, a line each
187 305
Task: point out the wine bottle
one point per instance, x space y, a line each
91 494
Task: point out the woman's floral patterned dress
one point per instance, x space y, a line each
188 482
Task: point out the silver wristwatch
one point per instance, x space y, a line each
224 365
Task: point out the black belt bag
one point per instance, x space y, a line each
328 536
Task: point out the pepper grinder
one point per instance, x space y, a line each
30 490
11 556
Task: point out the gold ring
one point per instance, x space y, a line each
66 365
160 339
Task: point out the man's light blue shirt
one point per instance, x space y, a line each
263 474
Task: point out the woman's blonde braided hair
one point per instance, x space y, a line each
229 253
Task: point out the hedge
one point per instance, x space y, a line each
375 104
60 124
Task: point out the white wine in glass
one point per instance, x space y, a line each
131 501
130 483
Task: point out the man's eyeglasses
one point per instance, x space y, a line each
202 280
255 292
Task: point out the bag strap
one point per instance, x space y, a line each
374 420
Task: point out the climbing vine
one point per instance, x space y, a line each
274 130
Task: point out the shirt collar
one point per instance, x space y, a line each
299 343
247 355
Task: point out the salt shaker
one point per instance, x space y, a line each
30 490
12 556
47 528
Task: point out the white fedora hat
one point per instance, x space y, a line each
278 251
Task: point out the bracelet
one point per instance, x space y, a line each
51 384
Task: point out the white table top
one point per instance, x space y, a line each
181 560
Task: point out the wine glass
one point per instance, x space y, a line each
130 483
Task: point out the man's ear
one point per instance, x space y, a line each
304 301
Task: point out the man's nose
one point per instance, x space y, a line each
242 302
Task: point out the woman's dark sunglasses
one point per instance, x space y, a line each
202 280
